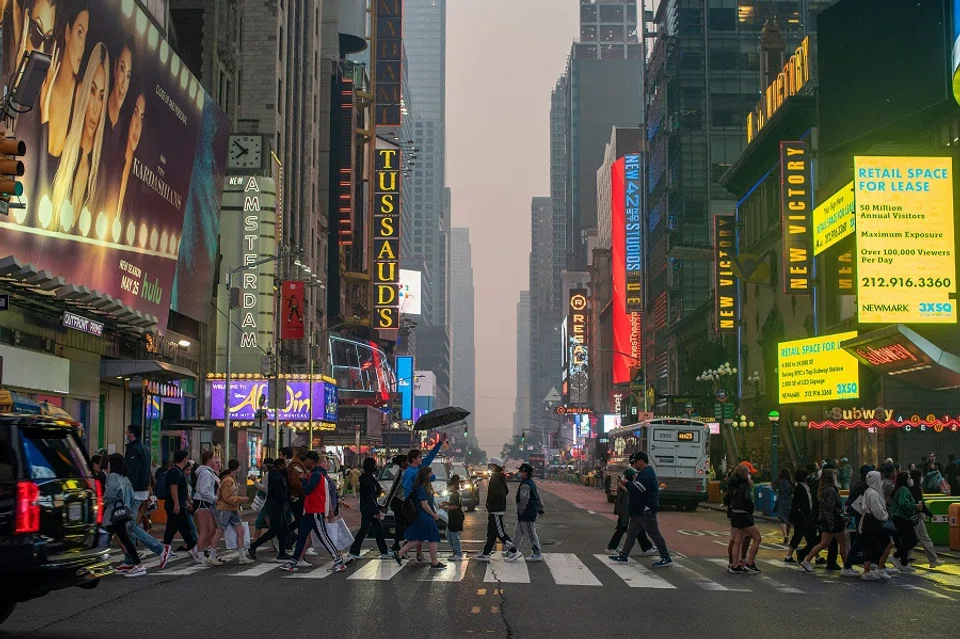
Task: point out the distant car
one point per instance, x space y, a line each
51 510
469 489
440 489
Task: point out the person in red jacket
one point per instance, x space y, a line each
319 507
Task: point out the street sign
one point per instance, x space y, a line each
688 408
4 302
722 395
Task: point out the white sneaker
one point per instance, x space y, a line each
652 552
352 557
873 575
311 551
457 558
516 554
198 556
388 555
481 557
884 574
303 564
907 568
243 558
535 557
806 565
935 563
136 571
890 570
850 572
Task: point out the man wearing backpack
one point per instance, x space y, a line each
137 460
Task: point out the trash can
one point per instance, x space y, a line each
953 520
938 527
765 499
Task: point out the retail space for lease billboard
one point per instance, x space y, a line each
122 143
906 251
817 369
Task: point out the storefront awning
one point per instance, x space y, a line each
149 368
906 356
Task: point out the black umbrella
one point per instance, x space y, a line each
441 417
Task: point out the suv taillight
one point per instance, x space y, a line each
28 510
99 502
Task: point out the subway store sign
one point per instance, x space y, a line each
906 249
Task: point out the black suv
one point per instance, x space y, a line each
50 511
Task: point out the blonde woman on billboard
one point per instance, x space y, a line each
75 185
58 95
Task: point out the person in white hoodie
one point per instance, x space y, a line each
205 502
876 540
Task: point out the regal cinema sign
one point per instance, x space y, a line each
386 240
795 74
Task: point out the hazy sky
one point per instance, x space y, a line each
503 60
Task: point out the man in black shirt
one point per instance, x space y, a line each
178 506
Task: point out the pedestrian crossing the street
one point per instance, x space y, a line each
575 570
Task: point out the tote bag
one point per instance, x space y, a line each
230 536
340 534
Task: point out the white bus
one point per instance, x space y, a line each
679 451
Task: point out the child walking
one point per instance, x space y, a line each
455 517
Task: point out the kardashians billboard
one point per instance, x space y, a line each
123 146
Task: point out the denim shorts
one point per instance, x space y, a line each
227 518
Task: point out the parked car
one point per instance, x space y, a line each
469 489
441 471
51 511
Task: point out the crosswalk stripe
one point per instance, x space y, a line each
635 575
455 571
777 585
180 572
701 581
376 570
512 572
320 572
926 591
255 571
568 570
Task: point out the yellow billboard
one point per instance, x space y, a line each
906 266
817 370
834 219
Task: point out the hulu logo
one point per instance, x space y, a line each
151 291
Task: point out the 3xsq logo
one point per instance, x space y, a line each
938 307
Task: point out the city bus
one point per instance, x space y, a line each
679 451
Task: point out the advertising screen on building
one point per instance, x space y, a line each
411 291
834 219
796 197
725 283
611 421
405 385
626 252
906 260
123 146
386 240
817 369
245 397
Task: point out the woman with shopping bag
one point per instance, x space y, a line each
228 510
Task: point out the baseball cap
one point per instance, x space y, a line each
526 468
495 461
749 467
639 455
629 473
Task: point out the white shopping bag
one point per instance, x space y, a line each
230 536
444 516
340 534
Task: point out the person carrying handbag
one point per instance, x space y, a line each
118 513
275 506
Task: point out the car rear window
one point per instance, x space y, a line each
53 453
8 458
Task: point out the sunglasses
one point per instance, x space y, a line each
40 40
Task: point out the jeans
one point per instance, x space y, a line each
495 530
454 539
642 539
527 529
139 534
647 522
366 523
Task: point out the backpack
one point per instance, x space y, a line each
161 490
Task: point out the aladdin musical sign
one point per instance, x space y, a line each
245 397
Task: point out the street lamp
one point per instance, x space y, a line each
774 417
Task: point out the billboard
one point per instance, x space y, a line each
955 54
123 147
386 239
578 330
424 384
291 309
389 66
627 253
725 283
834 219
405 385
411 292
611 421
906 261
795 219
817 369
245 396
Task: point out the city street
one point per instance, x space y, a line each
575 592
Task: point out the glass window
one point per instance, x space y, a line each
611 13
723 19
611 33
588 13
588 33
53 453
611 51
691 61
9 466
689 22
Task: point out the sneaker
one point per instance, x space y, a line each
650 552
504 553
620 559
386 555
122 568
873 575
338 567
890 570
751 568
311 551
252 553
164 557
437 566
736 570
820 561
481 557
141 554
935 563
514 556
198 556
456 557
665 562
850 572
289 567
304 564
136 571
421 559
535 557
352 557
789 560
284 558
907 568
883 574
214 561
612 551
806 565
243 558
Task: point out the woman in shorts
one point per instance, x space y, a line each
228 509
741 518
205 501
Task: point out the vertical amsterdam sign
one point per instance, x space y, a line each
386 240
389 67
796 218
725 283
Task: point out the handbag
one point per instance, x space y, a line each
230 536
120 515
259 500
409 511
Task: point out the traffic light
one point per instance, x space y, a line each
10 167
466 431
523 436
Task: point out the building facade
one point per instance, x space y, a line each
463 383
521 409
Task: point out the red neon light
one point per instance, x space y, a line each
950 425
886 354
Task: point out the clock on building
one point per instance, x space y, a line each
246 152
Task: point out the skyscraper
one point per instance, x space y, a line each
544 338
424 35
521 412
463 366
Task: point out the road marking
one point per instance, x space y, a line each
592 512
568 570
777 585
926 591
376 571
635 575
319 572
494 609
514 572
455 571
703 582
475 610
256 571
180 572
481 591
